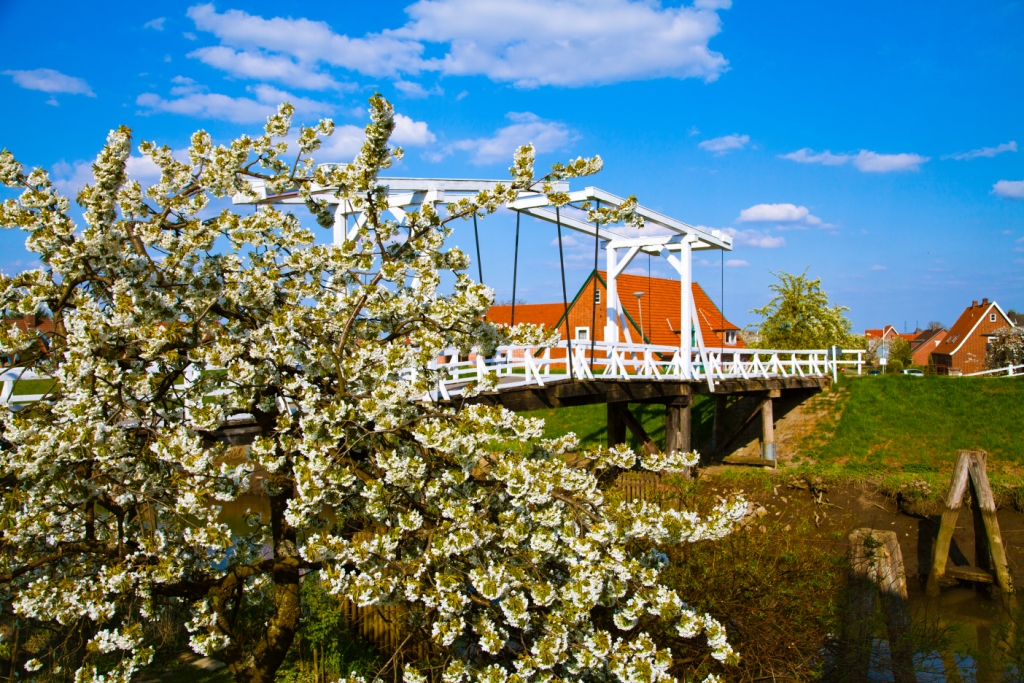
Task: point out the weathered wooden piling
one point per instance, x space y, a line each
877 571
990 555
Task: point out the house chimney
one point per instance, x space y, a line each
974 304
984 302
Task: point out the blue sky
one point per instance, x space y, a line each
874 142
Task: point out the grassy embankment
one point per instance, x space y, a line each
889 430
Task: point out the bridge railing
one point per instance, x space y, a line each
518 366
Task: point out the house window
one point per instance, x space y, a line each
992 317
597 297
730 337
582 334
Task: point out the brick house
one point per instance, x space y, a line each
924 344
654 316
966 344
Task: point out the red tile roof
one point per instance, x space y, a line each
887 332
547 315
965 324
660 315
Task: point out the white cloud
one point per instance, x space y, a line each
342 146
879 268
872 162
778 213
155 24
1011 189
260 66
188 35
310 41
724 144
411 133
1010 146
807 156
570 240
462 95
755 238
865 160
69 178
736 263
546 136
49 80
414 90
191 99
529 43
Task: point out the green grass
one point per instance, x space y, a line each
917 424
32 386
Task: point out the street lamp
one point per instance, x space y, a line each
638 296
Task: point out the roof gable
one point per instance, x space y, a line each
967 323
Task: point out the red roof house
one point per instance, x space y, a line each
924 344
654 316
966 344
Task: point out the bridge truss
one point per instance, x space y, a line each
617 355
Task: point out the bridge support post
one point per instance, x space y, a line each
768 428
678 426
616 424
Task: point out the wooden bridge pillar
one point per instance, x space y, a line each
768 427
678 425
616 424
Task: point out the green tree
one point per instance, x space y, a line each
800 317
900 349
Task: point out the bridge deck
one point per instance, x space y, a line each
565 392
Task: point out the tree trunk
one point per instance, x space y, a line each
266 658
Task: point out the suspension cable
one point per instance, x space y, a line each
515 268
565 296
593 317
479 263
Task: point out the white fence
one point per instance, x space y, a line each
1008 371
519 366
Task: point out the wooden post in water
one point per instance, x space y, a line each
876 562
954 500
989 551
981 491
